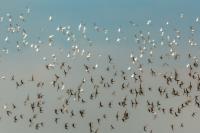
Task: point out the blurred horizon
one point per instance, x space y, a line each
90 32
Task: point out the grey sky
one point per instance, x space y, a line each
106 14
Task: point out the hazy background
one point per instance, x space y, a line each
110 14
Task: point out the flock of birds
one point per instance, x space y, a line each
105 88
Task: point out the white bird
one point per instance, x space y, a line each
118 39
28 10
50 18
44 58
3 77
129 68
4 107
6 39
197 19
148 22
79 26
119 30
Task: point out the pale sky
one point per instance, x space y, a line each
106 14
